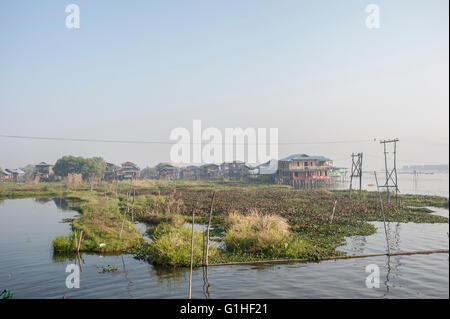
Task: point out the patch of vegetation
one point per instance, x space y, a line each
6 294
171 246
101 224
266 236
424 200
108 268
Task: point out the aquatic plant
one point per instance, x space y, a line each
108 268
6 294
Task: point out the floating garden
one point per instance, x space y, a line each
250 222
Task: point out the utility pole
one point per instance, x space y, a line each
391 175
356 171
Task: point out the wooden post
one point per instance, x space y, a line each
332 214
382 211
124 216
209 225
132 205
79 243
75 239
192 254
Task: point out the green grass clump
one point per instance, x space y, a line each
171 246
64 244
265 235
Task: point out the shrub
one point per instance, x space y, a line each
63 243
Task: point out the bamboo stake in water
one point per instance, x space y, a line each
382 211
79 243
75 239
132 205
207 230
123 220
332 214
192 254
126 210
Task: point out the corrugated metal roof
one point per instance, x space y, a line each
304 157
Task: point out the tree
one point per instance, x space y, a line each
68 165
93 168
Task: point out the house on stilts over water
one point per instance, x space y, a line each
304 171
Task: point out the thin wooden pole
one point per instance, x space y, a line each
387 173
124 216
332 214
282 261
382 211
132 205
79 243
75 239
209 226
192 254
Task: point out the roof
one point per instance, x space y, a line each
210 165
15 171
43 164
192 167
267 168
128 164
304 157
163 165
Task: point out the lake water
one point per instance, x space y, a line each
29 268
426 184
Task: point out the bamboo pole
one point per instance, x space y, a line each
382 211
126 210
282 261
123 220
192 255
209 226
132 205
75 239
79 243
332 214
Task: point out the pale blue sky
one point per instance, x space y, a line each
138 69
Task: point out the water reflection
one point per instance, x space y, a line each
170 276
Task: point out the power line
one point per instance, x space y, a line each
406 160
93 140
67 139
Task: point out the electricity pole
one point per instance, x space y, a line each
356 171
391 175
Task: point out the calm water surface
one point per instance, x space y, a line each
29 268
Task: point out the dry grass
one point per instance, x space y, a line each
266 235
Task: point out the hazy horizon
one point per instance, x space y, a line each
312 69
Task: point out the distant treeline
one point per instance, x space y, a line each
428 168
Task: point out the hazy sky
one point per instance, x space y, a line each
136 70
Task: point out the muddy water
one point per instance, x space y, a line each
29 268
